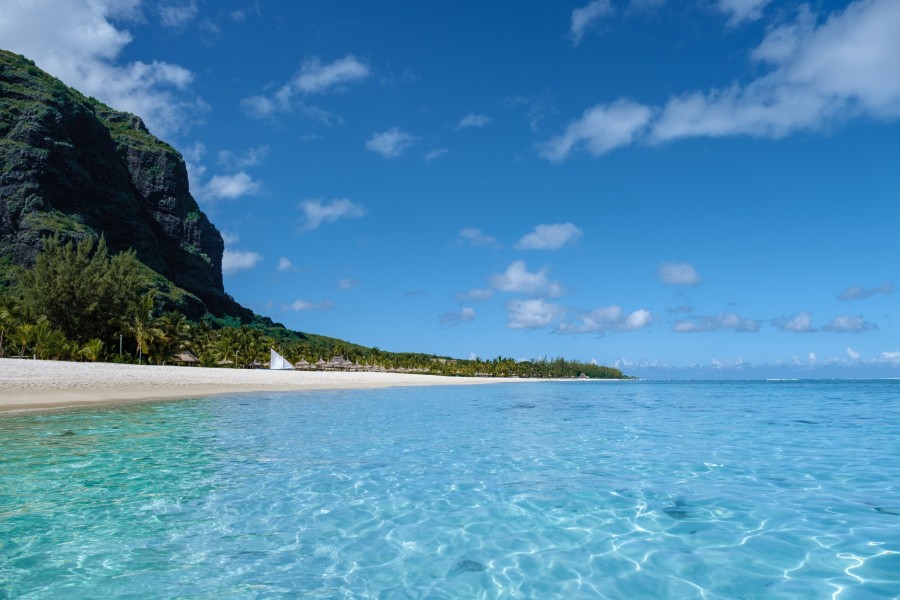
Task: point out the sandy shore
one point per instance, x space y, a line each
45 384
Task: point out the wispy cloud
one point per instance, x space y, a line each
176 15
532 314
800 322
318 211
314 77
79 42
600 129
610 318
471 236
585 17
678 273
391 143
859 292
478 294
306 305
739 11
463 315
285 264
849 324
550 237
436 153
249 158
518 279
473 120
723 320
347 283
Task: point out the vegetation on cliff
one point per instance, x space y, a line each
75 168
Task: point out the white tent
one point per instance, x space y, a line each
278 363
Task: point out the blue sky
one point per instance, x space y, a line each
681 188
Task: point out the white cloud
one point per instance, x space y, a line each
742 10
678 273
228 187
550 237
475 237
312 78
80 42
586 16
239 260
532 314
610 318
479 294
229 238
177 14
473 120
436 153
285 264
391 143
723 320
463 315
600 129
251 158
859 292
316 78
517 279
318 211
890 358
849 324
800 322
852 354
304 305
846 67
816 73
347 283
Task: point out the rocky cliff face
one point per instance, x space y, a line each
70 165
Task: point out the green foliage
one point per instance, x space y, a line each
80 289
92 350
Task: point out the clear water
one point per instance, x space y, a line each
547 490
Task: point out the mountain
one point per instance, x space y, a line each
74 167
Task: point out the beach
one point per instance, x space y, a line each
47 384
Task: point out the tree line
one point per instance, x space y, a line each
79 302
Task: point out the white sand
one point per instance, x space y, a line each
42 384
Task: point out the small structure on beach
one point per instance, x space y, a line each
303 365
185 358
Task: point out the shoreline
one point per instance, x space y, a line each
29 385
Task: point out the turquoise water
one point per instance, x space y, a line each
545 490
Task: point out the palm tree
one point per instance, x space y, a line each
8 310
175 336
22 336
142 324
92 351
226 345
48 342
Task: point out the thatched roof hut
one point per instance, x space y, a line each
186 358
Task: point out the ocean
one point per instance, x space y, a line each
751 489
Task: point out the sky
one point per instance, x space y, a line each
678 188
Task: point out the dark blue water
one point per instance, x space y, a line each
543 490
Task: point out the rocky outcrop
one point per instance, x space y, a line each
72 166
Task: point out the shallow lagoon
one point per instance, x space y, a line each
544 490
